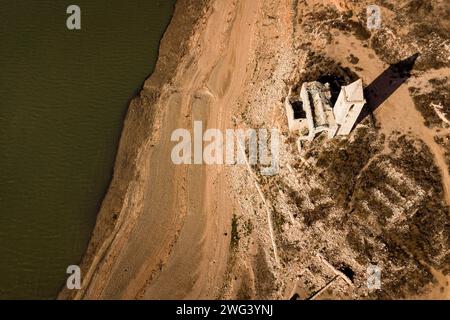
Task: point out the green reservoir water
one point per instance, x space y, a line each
63 97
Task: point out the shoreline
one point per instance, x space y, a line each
142 113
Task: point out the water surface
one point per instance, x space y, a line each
63 96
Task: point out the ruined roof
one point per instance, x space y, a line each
316 104
354 91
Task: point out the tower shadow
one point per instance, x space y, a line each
385 85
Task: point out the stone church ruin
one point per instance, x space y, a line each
311 110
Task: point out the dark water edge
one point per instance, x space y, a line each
63 98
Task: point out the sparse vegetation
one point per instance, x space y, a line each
234 232
341 162
264 278
439 95
247 227
427 32
423 233
444 142
278 222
